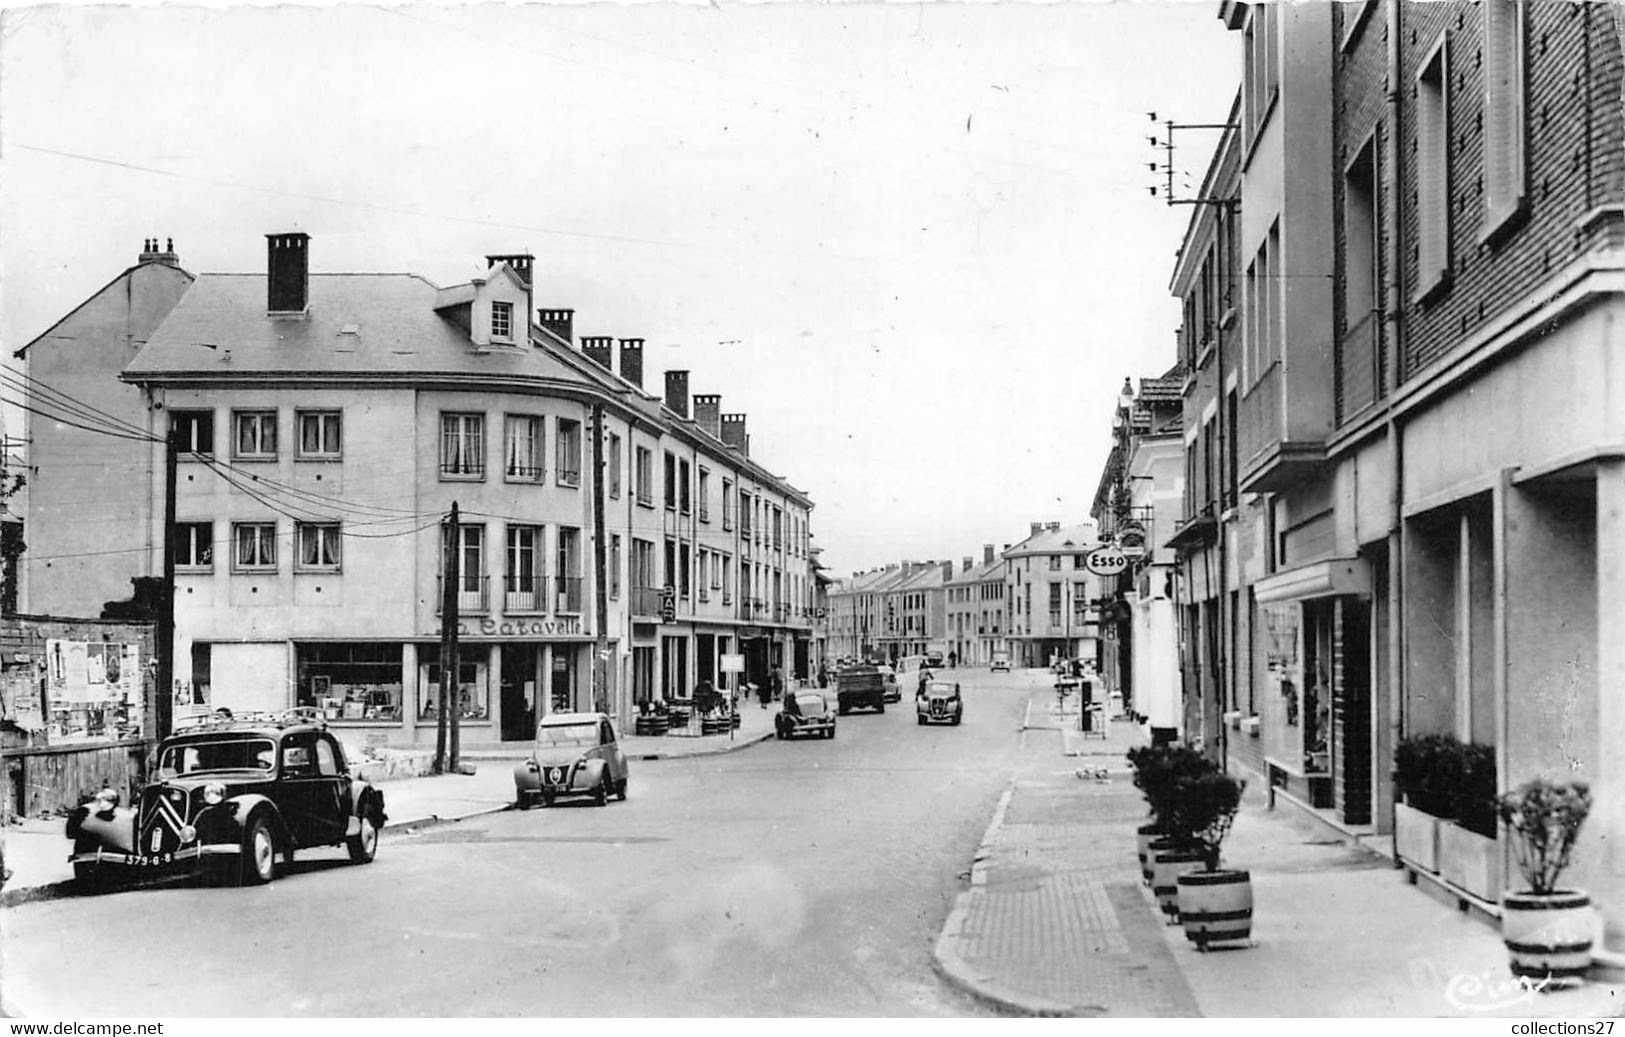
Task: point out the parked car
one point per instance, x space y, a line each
805 712
893 691
576 754
1001 662
936 659
859 687
939 702
229 795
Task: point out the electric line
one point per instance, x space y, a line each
38 388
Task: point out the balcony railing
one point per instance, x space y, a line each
524 593
646 601
568 598
473 594
1359 366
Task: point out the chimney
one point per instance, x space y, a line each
632 360
987 554
1053 527
1036 528
947 570
965 563
151 253
288 272
559 322
521 263
708 412
733 433
1006 547
677 393
597 348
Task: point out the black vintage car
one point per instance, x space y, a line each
228 795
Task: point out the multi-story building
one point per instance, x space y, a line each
1138 501
1049 594
1418 546
975 605
324 427
856 614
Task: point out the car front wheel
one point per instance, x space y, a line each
258 864
601 796
363 845
620 790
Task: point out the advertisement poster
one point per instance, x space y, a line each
93 690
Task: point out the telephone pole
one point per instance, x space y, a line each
600 586
450 693
164 702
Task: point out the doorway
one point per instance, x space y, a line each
518 692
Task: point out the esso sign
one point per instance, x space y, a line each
1106 561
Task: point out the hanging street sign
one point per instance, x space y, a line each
1106 561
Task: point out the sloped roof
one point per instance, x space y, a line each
1082 535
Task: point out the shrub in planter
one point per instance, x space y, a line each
1156 771
1427 772
1214 904
1547 930
1475 792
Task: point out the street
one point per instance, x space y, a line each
792 879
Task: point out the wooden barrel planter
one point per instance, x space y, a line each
734 719
1216 906
713 725
1143 837
1167 864
1548 935
651 724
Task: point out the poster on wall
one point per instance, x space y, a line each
20 696
93 690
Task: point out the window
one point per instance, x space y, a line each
254 435
256 545
469 543
502 320
1360 235
193 430
1261 73
615 565
522 438
1054 563
614 462
569 452
682 571
1432 174
671 482
727 504
643 567
1264 312
462 446
1505 105
319 434
683 502
524 576
704 495
318 545
643 477
194 545
671 564
568 561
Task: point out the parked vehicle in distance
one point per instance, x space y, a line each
860 687
805 712
576 754
935 659
894 690
229 795
939 702
1001 662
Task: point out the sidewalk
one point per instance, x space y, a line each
1057 922
36 851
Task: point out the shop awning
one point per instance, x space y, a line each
1316 580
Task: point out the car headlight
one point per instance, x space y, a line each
581 762
214 793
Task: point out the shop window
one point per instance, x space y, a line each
471 694
350 680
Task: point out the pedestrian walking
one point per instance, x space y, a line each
953 660
777 681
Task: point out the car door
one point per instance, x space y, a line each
308 789
610 749
331 804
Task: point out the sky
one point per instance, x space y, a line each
913 243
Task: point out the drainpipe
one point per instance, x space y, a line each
1393 320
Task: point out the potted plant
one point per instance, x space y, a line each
1469 855
1426 774
1547 930
1157 769
1214 904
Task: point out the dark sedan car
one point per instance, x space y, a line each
229 796
805 712
939 702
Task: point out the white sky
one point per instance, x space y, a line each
913 243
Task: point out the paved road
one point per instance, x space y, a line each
802 878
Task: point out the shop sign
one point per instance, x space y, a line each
733 663
668 605
1106 561
518 627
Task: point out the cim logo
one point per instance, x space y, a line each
1106 561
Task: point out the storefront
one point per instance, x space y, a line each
1313 652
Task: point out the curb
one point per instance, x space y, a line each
946 960
742 743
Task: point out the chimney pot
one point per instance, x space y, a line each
287 282
559 322
632 360
708 413
733 433
677 393
520 262
597 348
987 554
1036 528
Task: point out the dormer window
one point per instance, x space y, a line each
502 320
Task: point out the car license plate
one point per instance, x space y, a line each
154 860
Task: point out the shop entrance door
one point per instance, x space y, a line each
518 692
